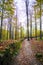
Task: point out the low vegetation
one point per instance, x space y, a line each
39 56
10 51
37 48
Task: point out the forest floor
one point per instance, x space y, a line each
26 55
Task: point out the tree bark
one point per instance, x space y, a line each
31 26
35 24
40 22
2 19
27 19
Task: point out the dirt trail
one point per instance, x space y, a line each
25 56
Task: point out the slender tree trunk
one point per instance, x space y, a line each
35 25
16 31
21 32
12 32
27 19
1 24
40 22
16 26
10 25
2 19
31 26
7 32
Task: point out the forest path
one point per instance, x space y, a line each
25 56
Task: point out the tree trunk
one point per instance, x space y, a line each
2 19
27 19
16 27
35 25
31 26
12 32
7 32
40 22
10 25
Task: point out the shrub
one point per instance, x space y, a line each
1 41
9 52
15 48
5 57
39 57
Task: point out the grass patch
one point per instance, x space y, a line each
38 38
1 41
